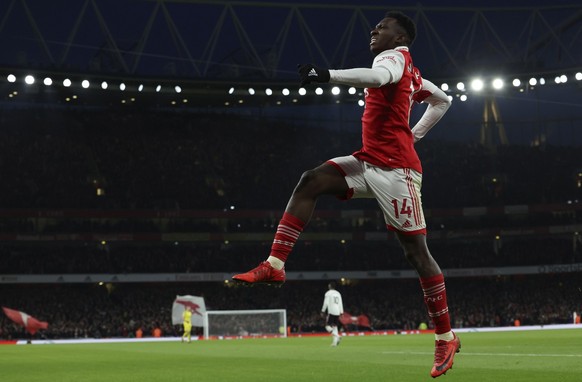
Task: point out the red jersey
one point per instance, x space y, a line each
386 135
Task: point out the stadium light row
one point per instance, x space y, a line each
236 94
29 79
476 85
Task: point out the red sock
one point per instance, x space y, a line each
287 234
435 298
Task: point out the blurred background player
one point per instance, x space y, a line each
333 305
386 168
187 323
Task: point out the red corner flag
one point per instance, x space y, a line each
30 323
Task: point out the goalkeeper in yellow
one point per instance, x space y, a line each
187 323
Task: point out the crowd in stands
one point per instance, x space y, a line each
122 258
119 310
158 160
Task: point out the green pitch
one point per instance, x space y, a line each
553 355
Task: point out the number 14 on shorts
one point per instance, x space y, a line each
402 207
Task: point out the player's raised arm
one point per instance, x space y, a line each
387 68
438 104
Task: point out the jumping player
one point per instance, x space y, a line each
386 168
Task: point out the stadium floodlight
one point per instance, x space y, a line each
533 81
497 84
104 85
352 90
158 88
319 91
11 78
578 76
29 79
516 82
85 84
557 79
563 78
477 84
251 91
47 81
268 91
67 82
361 102
460 86
178 89
231 90
122 86
140 88
445 87
302 91
463 97
285 92
542 81
335 90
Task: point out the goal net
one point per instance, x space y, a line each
245 323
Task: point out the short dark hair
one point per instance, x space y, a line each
331 285
405 22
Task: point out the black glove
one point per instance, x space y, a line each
310 73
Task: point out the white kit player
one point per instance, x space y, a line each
333 305
386 168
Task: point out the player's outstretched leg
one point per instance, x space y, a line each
444 355
263 274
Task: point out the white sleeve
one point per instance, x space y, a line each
324 307
438 104
387 68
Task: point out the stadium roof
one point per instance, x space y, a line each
213 52
263 41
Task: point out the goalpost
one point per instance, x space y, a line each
245 323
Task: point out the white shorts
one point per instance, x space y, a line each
396 190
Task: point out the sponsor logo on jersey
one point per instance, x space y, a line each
389 58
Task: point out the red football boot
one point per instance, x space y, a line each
263 274
444 354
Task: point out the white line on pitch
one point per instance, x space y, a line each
491 354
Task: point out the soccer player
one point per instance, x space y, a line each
187 323
333 305
386 168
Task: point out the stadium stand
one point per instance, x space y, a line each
152 192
